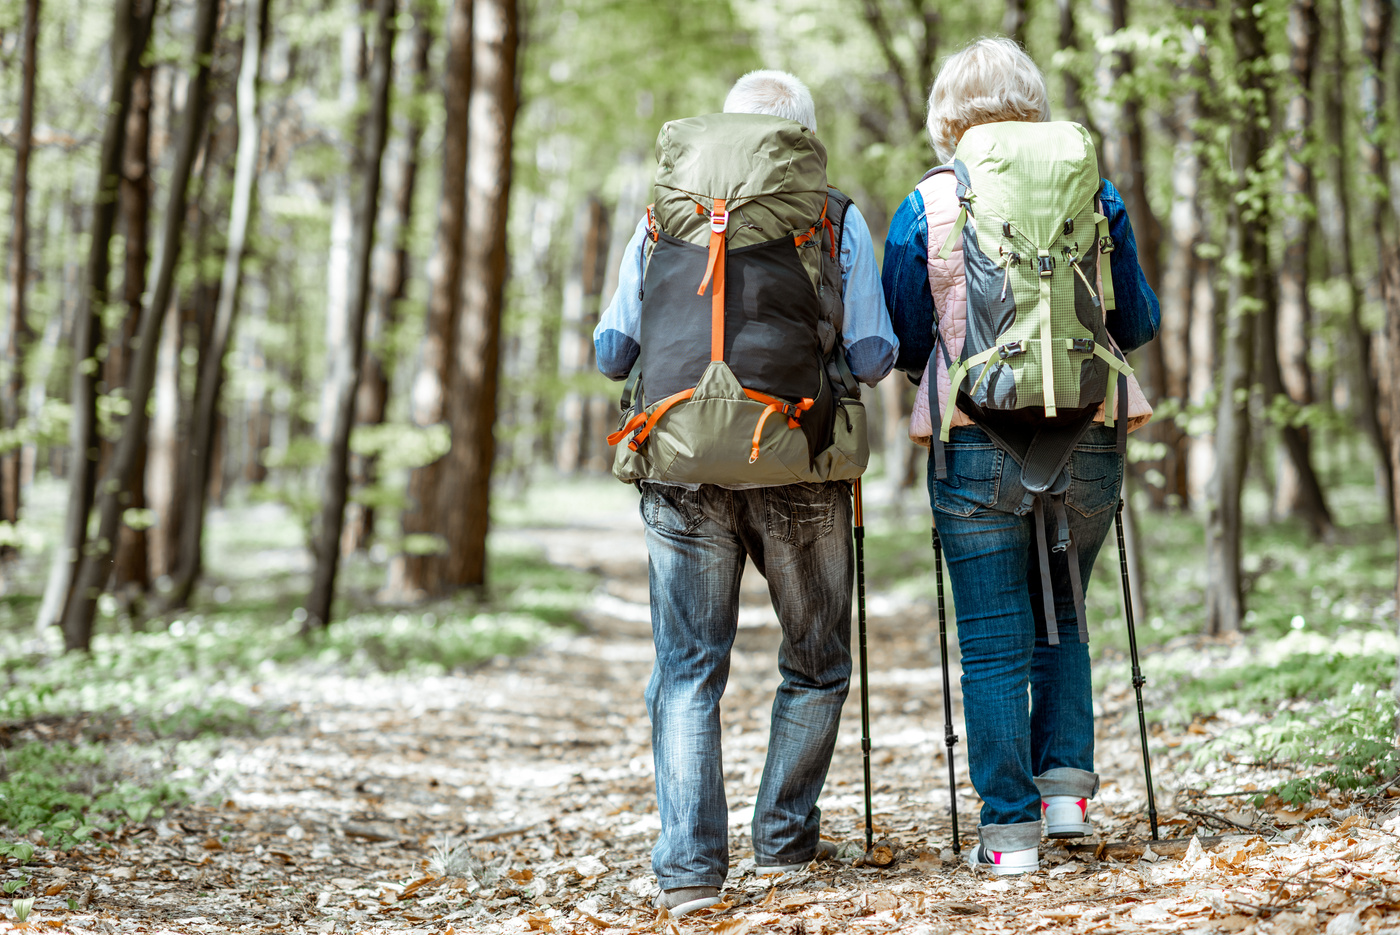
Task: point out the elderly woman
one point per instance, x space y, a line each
1026 689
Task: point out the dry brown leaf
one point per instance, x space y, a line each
53 889
768 900
881 902
592 919
539 922
521 876
736 925
797 901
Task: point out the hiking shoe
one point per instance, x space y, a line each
826 850
687 899
1004 863
1066 816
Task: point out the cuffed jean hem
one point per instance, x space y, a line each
1066 780
677 883
1017 837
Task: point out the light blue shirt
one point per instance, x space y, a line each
867 336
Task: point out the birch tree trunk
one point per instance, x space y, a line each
473 376
390 284
17 326
96 563
204 422
1250 285
129 36
1299 490
338 268
349 357
419 571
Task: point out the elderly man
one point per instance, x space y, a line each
791 348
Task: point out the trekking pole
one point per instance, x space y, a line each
949 737
1138 680
864 671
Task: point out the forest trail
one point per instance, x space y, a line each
537 770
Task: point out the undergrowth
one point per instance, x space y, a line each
68 792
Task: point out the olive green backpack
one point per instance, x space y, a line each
741 380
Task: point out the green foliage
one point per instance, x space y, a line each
67 792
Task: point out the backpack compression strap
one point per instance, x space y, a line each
714 272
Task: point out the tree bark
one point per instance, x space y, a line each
1184 234
913 90
1013 21
349 359
129 36
390 287
473 376
578 313
204 422
17 328
1069 42
1250 286
130 575
1288 372
1390 296
96 564
417 571
1364 398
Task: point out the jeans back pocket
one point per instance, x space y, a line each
974 473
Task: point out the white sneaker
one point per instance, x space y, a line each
1004 863
1066 816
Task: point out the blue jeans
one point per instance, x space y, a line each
799 537
1027 705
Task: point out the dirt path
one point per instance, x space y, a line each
536 771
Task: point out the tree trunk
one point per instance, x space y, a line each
17 328
348 359
390 287
1185 233
96 564
418 570
473 375
1288 372
204 422
1390 296
1069 43
130 575
163 457
1364 399
338 268
578 312
129 36
1250 286
1013 21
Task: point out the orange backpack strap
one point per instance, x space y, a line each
714 272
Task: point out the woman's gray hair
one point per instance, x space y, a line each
988 81
775 93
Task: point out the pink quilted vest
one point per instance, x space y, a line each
946 279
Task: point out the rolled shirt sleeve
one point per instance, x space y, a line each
617 338
869 341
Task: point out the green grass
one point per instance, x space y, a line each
69 792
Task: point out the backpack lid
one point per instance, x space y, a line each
738 157
1035 175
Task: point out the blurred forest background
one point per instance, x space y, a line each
327 273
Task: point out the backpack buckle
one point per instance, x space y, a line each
1083 345
1006 229
1106 244
1011 349
1069 225
1047 265
719 222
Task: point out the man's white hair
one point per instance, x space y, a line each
775 93
989 81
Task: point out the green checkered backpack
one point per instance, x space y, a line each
1036 361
